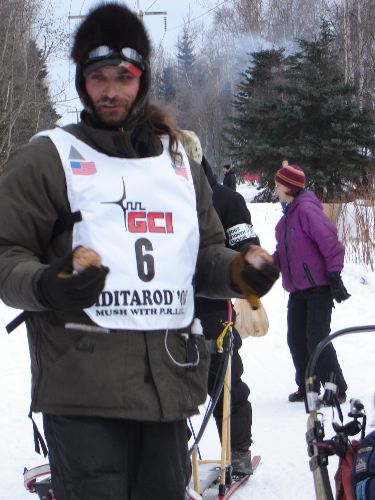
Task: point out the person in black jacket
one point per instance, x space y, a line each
229 177
236 220
213 313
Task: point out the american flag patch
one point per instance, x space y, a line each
83 167
180 171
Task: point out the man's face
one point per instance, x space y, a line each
112 90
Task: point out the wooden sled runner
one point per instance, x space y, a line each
213 479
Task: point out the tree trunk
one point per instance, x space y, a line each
349 78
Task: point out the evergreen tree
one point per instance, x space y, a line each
167 90
38 111
307 114
186 56
253 139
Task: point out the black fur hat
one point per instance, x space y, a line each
116 26
110 24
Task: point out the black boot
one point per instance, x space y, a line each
241 463
298 396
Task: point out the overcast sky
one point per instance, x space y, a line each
177 12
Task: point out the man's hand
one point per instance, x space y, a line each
338 289
61 289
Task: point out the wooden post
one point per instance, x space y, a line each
194 460
225 431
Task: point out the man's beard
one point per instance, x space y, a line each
117 118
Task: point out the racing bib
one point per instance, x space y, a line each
140 216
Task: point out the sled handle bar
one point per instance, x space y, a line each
311 365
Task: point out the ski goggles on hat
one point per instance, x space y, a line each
104 55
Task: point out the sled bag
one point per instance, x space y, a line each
363 471
250 322
342 476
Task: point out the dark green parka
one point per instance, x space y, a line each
127 375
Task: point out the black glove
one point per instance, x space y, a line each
70 292
260 280
338 289
250 280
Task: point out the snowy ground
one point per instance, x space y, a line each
278 426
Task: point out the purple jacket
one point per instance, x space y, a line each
307 244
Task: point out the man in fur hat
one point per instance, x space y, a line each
115 371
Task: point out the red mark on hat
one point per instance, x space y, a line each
134 70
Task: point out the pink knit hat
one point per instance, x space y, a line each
291 177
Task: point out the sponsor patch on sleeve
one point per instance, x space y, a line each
240 232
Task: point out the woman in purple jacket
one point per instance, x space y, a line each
310 258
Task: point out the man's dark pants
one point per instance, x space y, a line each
112 459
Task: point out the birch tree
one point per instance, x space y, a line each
26 44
